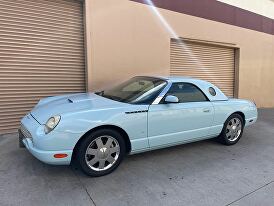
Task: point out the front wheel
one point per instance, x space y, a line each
101 152
232 130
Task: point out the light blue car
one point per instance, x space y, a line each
96 130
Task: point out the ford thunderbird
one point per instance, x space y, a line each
96 130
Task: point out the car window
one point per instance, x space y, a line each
212 91
187 92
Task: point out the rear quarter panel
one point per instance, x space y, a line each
223 109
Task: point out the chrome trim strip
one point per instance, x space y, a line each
163 93
134 112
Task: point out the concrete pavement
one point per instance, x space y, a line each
202 173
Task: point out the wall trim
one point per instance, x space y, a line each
88 43
218 11
208 42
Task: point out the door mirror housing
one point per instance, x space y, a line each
171 99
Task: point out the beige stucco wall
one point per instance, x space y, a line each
127 39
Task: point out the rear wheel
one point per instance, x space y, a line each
101 152
232 130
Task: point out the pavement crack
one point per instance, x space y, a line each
249 193
84 187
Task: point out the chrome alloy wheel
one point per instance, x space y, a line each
233 129
102 153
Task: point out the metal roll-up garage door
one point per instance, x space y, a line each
41 54
215 64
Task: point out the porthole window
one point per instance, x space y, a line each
212 91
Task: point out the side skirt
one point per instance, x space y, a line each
173 144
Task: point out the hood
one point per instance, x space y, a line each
59 105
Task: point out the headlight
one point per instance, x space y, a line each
52 123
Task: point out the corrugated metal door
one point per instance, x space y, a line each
41 54
215 64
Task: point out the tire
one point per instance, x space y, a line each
232 130
101 152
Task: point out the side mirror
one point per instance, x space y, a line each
171 99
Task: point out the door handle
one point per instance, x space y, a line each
206 110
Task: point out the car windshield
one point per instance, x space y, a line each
137 90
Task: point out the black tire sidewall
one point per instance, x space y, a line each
81 151
223 136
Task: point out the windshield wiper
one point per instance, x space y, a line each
101 93
115 98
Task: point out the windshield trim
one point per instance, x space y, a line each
158 99
101 93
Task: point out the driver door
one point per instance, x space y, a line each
188 120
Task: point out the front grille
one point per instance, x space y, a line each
25 132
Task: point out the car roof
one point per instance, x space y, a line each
175 79
178 78
202 84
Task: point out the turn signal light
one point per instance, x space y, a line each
60 155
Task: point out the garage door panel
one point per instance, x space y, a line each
40 58
45 48
70 4
209 62
50 4
38 93
40 29
42 54
67 17
206 55
178 48
204 62
47 35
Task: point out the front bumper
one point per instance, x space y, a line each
26 135
47 156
